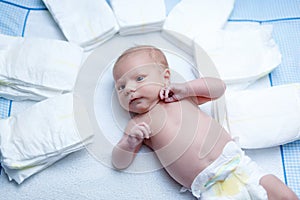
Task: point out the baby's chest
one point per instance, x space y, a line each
165 118
179 121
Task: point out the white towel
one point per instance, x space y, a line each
191 17
242 52
32 68
87 23
139 16
43 133
265 117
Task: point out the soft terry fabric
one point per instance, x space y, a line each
266 117
241 51
232 176
87 23
40 135
191 17
139 16
36 69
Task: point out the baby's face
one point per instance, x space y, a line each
138 81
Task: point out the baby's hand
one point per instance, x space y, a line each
173 92
138 133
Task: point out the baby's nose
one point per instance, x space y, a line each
129 89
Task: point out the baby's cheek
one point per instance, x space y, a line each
125 107
124 104
154 90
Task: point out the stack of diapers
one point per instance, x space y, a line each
87 23
35 69
41 135
241 52
265 117
191 17
139 16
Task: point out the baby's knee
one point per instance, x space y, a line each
276 189
288 195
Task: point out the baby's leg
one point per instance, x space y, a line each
276 189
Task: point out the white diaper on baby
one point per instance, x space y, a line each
264 117
87 23
231 176
139 16
191 17
41 135
32 68
241 52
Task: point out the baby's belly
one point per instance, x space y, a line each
184 171
189 165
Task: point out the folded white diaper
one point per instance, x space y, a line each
41 135
87 23
191 17
20 175
265 117
241 52
139 16
32 68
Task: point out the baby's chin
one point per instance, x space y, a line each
139 107
139 110
133 111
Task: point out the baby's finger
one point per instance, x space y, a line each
145 131
167 93
170 99
137 133
147 127
161 93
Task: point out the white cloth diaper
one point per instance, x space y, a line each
191 17
241 52
35 69
42 133
87 23
264 117
139 16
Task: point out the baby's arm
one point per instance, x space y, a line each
203 89
125 151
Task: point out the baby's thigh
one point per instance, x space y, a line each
276 189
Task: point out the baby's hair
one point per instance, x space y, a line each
156 54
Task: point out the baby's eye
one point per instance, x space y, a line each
140 78
121 87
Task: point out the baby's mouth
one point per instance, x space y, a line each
133 100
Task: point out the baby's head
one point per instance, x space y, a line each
140 55
139 74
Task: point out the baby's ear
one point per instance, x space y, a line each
166 75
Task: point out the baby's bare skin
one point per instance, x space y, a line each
168 120
174 123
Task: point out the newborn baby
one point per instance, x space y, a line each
192 147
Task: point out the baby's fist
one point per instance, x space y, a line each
138 133
173 92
